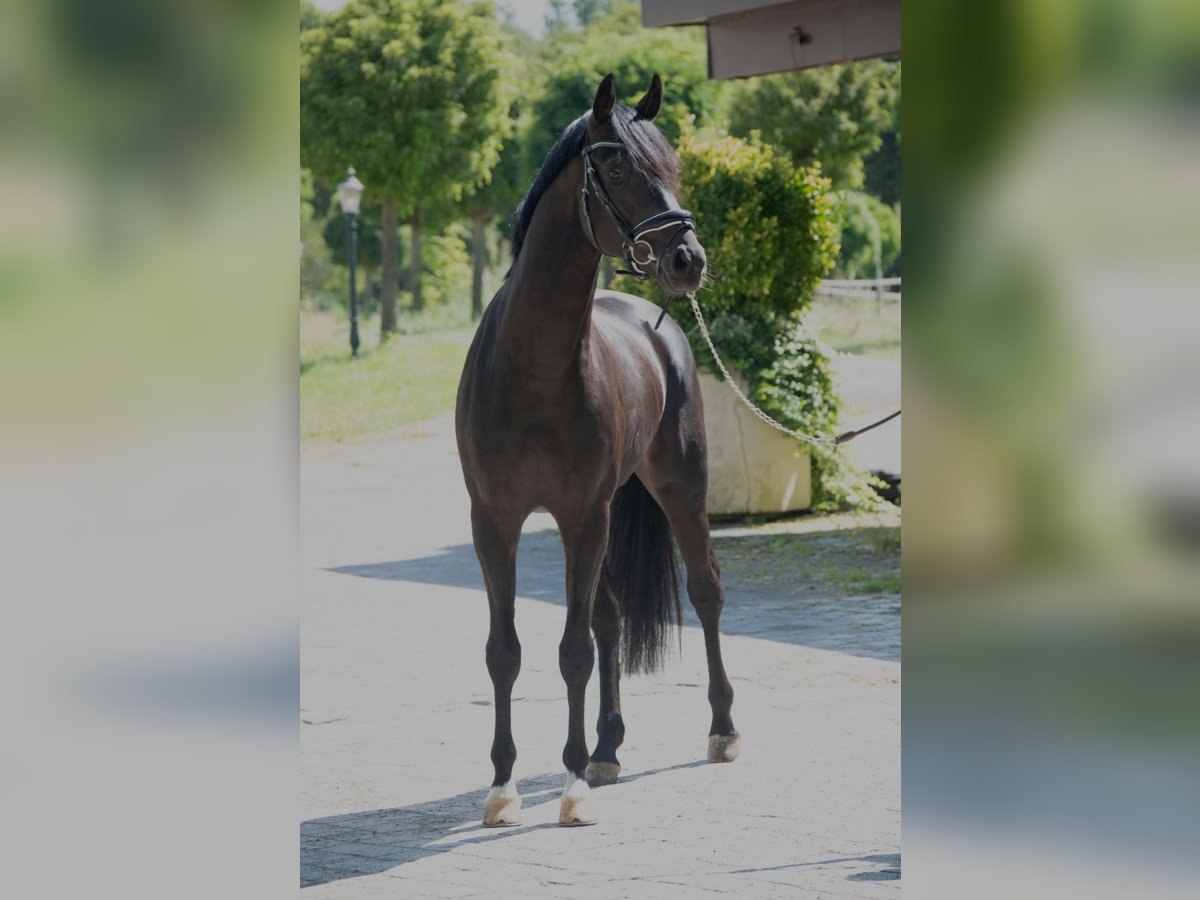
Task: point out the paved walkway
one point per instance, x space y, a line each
396 712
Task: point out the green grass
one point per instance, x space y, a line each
408 380
842 563
859 326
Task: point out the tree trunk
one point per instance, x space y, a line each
418 303
478 262
387 293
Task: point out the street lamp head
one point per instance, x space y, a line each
350 193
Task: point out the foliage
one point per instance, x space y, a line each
310 16
881 170
770 232
771 229
306 196
577 62
446 260
511 175
589 12
869 226
370 236
416 81
320 281
413 93
556 18
833 115
323 274
618 16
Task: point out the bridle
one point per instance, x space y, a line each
631 237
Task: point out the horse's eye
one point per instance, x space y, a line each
614 174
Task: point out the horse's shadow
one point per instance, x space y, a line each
374 841
861 626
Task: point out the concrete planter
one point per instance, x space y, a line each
752 468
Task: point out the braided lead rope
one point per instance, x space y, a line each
821 440
818 440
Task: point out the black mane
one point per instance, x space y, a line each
646 149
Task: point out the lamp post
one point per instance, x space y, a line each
350 196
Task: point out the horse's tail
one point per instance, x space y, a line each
639 567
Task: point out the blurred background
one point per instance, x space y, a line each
150 265
1051 573
148 413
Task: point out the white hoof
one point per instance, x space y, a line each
601 773
576 807
502 806
723 747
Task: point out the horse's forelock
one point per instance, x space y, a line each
647 148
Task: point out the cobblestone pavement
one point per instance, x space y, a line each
397 720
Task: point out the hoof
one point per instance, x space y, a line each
577 806
601 773
723 747
502 807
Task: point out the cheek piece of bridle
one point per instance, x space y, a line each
633 238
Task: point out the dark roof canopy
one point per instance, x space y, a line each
754 37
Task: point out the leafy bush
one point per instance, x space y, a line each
770 231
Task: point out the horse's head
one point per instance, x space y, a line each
628 204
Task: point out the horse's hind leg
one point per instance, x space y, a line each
685 507
584 542
606 626
496 547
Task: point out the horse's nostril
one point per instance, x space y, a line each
682 259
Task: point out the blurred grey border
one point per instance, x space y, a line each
148 427
1051 437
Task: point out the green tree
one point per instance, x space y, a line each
834 115
576 62
310 16
413 93
882 168
870 238
557 18
499 197
369 248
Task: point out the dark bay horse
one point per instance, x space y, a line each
572 401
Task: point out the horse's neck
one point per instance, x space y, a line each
548 312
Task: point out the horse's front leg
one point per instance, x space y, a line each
496 546
584 543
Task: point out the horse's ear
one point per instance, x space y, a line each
605 98
649 105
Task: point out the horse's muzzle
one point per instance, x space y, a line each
682 270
